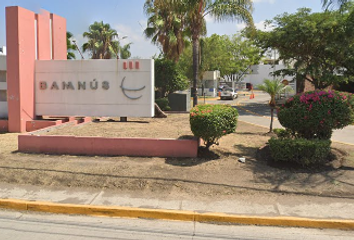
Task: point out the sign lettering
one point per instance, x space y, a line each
70 86
131 65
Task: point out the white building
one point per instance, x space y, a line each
3 84
211 79
209 84
261 72
3 50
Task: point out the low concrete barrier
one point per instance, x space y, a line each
39 124
145 147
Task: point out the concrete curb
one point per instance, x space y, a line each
179 215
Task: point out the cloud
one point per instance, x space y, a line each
260 26
209 18
141 47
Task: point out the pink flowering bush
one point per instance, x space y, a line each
211 122
314 115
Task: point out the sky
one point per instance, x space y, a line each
128 18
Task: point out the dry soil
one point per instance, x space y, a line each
215 174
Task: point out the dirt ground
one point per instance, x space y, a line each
213 175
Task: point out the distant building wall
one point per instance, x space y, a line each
210 82
211 75
261 72
3 50
3 88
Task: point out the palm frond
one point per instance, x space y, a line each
326 4
70 55
232 10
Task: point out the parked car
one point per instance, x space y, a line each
228 93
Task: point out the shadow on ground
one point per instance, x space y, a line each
204 155
282 175
118 121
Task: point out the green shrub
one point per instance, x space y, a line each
283 133
314 115
163 104
169 77
211 122
299 150
350 99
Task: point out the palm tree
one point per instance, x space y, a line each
71 47
273 88
125 51
328 3
119 51
220 10
165 27
101 41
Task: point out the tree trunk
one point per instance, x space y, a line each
271 119
195 70
159 113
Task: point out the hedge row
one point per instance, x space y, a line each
302 151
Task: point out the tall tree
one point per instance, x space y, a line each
317 46
192 14
70 46
102 41
231 55
165 27
120 51
220 10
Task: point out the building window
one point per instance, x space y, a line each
2 76
3 96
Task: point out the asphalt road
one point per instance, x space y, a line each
31 226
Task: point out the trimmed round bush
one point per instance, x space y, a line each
302 151
163 104
211 122
314 115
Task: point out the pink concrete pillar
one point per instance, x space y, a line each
20 41
59 37
43 35
21 46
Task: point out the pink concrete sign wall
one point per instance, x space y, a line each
43 36
21 36
59 37
20 41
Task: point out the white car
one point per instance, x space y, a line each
228 93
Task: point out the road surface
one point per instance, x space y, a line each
33 226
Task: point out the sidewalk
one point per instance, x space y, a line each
272 209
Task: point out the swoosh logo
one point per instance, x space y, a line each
125 90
